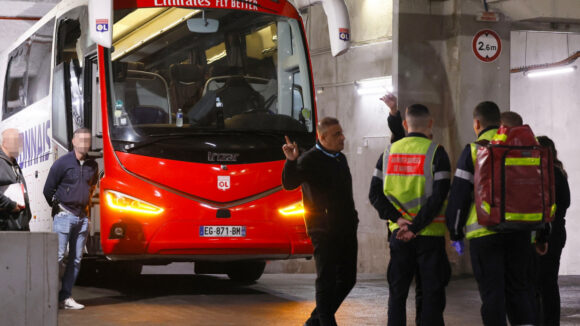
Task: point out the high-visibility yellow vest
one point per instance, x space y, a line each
472 228
409 178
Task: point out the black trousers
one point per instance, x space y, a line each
336 258
428 256
500 263
418 292
547 281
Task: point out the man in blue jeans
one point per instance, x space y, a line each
68 189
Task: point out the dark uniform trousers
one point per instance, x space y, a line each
425 255
500 264
547 286
336 260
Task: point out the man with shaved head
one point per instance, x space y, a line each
416 183
14 215
330 215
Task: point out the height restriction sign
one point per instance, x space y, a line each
486 45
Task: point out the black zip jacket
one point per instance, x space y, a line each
10 173
70 183
326 191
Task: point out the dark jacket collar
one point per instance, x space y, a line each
417 134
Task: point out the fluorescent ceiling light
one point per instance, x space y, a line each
550 71
374 86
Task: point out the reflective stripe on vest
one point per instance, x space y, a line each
472 228
409 178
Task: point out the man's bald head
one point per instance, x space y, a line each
11 142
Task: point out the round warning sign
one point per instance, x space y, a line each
486 45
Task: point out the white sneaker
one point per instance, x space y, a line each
71 304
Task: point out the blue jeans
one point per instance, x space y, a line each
72 231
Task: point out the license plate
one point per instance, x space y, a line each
222 231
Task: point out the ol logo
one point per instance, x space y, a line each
223 182
102 25
344 34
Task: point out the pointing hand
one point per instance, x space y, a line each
290 149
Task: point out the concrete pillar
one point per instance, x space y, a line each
28 279
434 64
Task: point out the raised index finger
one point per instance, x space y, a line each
288 142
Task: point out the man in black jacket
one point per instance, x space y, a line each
331 218
14 216
68 189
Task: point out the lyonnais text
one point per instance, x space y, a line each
36 145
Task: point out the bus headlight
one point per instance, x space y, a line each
296 209
122 202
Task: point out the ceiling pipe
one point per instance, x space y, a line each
19 18
561 63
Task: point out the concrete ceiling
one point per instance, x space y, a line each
17 16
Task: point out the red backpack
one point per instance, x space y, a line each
514 181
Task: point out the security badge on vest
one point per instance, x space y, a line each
409 180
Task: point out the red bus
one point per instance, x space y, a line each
189 102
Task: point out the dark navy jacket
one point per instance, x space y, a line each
326 191
70 183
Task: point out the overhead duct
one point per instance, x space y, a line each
338 22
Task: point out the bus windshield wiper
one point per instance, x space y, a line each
162 137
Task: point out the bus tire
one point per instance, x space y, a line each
246 271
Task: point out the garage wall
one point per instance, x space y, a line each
551 106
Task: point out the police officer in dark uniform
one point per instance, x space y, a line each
330 215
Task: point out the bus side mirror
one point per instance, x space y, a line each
203 25
101 22
338 23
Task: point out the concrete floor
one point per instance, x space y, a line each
178 298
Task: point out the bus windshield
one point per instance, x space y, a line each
183 71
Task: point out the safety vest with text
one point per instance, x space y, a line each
472 228
409 178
